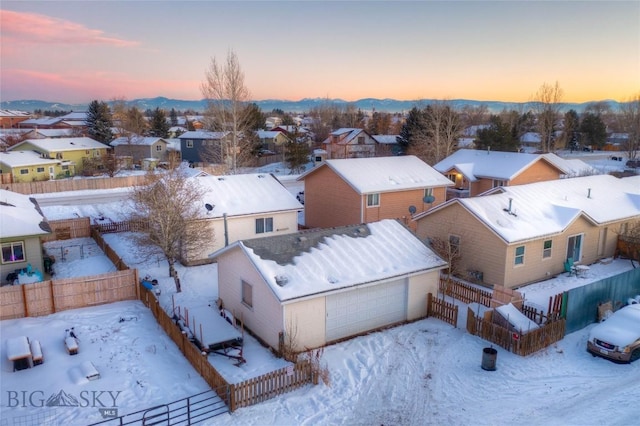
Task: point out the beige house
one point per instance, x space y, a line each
476 171
320 286
239 207
521 234
21 225
365 190
350 143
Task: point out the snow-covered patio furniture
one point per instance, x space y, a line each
19 352
36 352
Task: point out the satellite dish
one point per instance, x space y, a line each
412 209
429 199
208 206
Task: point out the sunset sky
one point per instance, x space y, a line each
74 52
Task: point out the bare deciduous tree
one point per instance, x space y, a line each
226 97
172 203
547 107
630 123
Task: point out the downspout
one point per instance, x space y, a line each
226 231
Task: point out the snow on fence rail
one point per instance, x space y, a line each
464 292
45 187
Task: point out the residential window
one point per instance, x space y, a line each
40 169
13 252
264 224
454 244
574 247
158 147
360 140
519 259
65 167
189 143
451 177
247 294
373 200
58 156
24 171
428 192
546 250
499 182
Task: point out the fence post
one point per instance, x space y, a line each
53 300
24 300
429 301
232 397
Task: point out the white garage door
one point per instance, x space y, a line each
364 309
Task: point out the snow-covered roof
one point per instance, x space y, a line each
136 140
13 113
384 174
268 134
472 131
386 139
15 158
530 137
63 144
53 133
202 134
246 194
75 116
475 164
20 216
345 135
546 208
316 262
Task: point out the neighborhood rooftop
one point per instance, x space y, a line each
329 260
384 174
474 164
521 212
246 194
64 144
20 216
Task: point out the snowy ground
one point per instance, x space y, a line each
424 373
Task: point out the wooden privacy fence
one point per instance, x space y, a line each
47 297
244 394
125 226
48 186
464 292
108 251
443 310
66 229
519 344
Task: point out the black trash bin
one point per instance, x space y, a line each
489 356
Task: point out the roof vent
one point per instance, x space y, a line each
302 239
220 178
281 280
588 192
260 176
508 209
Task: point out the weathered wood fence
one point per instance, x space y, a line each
125 226
443 310
66 229
48 297
48 186
235 395
464 292
519 344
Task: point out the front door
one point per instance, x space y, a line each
574 247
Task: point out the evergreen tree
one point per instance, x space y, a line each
99 122
571 126
594 131
159 126
253 118
173 116
296 153
499 136
414 132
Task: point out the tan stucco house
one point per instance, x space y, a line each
21 225
521 234
364 190
475 171
238 207
320 286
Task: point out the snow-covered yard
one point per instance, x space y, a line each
426 372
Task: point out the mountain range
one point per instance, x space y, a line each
301 106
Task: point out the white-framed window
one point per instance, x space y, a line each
451 177
158 148
24 171
373 200
13 252
264 224
519 258
189 143
247 294
360 140
454 244
40 169
58 156
428 192
499 182
546 249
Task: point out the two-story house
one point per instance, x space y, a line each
476 171
140 148
77 151
349 143
201 146
364 190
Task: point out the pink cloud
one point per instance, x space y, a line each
33 28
